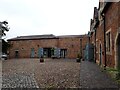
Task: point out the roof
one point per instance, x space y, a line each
46 36
71 36
106 6
32 37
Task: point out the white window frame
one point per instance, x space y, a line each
109 52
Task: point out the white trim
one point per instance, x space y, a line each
116 56
109 52
108 31
100 17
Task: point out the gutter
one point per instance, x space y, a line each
106 6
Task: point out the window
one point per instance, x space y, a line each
37 45
108 43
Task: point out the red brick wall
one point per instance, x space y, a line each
85 40
112 21
119 14
112 24
112 17
99 40
72 44
24 46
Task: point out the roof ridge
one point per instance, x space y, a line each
37 35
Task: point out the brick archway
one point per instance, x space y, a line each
117 51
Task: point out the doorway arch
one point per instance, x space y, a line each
117 51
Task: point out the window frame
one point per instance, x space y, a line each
109 42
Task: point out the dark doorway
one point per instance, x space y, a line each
47 52
100 57
16 54
118 51
63 53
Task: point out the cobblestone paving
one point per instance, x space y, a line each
18 74
91 76
30 73
19 81
60 74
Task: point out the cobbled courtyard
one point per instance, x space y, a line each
30 73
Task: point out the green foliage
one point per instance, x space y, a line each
52 51
79 56
111 69
114 73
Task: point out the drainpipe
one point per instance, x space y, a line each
104 29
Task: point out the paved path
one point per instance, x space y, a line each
91 76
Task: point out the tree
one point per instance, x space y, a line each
5 46
4 27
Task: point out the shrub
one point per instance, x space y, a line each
79 57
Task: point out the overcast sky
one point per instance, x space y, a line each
37 17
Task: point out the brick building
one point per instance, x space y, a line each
105 34
47 45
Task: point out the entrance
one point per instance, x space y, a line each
100 56
47 52
63 53
118 51
16 54
89 52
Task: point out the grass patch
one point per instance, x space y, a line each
114 74
111 69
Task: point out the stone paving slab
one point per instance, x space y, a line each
91 76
